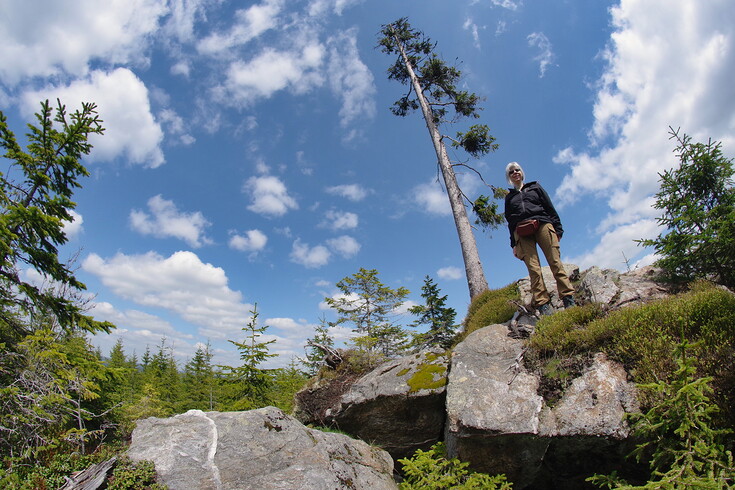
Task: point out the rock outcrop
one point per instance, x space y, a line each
482 402
524 285
399 405
491 412
616 290
497 421
607 287
259 449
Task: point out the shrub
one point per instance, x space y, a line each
134 475
697 200
678 440
490 307
431 470
643 337
561 331
52 472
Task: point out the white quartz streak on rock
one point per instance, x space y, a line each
212 451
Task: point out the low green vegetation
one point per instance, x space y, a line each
428 375
643 337
134 475
432 470
490 307
678 439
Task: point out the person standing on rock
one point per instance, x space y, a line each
533 220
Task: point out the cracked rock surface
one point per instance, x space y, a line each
258 449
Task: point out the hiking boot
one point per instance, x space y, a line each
568 301
545 309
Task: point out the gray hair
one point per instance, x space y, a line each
510 167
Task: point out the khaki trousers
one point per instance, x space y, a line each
546 238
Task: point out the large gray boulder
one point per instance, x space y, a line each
493 407
497 421
608 287
613 289
259 449
399 405
595 404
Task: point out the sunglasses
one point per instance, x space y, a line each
514 170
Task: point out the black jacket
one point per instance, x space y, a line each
531 202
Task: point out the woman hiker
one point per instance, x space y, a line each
533 220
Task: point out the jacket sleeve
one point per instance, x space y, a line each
551 211
511 226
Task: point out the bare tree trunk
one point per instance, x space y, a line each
473 266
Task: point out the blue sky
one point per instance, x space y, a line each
250 155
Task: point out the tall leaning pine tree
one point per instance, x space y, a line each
432 87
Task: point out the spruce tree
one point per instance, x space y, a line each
434 314
370 307
286 382
249 383
314 346
162 373
36 193
199 381
698 203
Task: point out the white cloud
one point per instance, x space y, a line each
451 273
617 246
176 126
507 4
73 228
289 325
151 326
353 192
272 71
182 68
469 25
545 56
249 24
183 14
253 241
344 245
269 196
321 7
340 220
651 82
181 284
350 79
122 103
166 220
47 38
431 198
310 257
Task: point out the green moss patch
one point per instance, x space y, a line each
643 338
490 307
428 375
425 378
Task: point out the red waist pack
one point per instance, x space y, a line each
527 227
